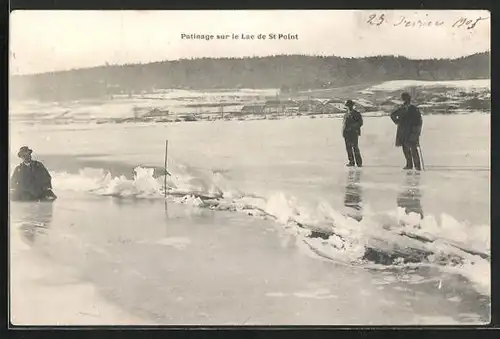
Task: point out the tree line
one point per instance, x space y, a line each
288 72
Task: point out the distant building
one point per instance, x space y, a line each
333 108
187 117
477 104
439 99
311 106
364 105
156 112
337 105
253 109
279 106
390 102
291 109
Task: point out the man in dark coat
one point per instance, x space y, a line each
409 121
351 130
31 181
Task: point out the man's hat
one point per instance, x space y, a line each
405 94
23 150
349 103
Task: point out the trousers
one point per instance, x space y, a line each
352 148
412 157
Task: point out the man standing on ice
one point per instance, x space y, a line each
31 181
409 122
351 130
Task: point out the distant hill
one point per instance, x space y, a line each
290 73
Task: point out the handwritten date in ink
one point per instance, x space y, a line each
468 23
403 21
376 20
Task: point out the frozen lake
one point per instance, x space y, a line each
223 267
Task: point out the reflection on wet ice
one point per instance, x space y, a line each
34 218
410 195
353 195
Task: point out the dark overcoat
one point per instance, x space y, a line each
352 123
30 182
409 121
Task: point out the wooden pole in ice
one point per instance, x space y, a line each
165 180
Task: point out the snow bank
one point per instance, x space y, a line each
474 84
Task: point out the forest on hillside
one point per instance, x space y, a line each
288 72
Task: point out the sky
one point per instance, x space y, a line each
43 41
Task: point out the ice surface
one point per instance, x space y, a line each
291 172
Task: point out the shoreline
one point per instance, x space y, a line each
193 117
119 121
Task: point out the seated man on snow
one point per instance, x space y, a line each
31 181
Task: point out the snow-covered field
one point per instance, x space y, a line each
467 85
461 96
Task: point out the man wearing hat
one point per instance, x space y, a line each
351 130
31 180
409 122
